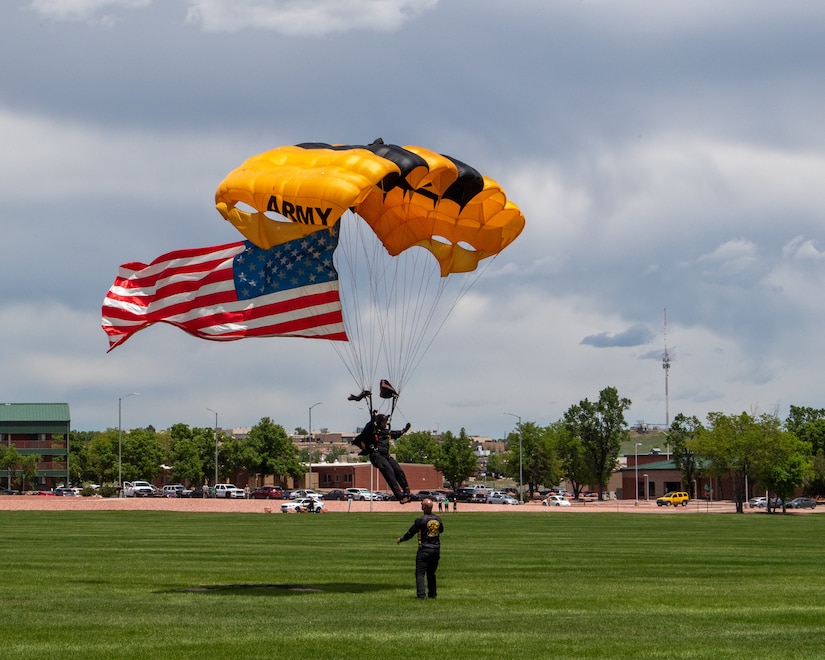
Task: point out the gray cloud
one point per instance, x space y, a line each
637 335
664 156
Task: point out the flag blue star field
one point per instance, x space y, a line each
232 291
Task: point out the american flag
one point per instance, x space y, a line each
232 291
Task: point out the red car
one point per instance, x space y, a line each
267 493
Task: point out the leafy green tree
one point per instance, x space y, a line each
497 465
101 457
79 468
456 460
783 461
573 457
682 430
531 455
417 447
234 455
272 452
335 453
310 455
602 428
816 485
192 453
27 466
9 457
731 445
142 454
808 424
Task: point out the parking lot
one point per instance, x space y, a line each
30 502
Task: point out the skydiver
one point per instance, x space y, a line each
374 441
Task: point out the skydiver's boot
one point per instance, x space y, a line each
358 397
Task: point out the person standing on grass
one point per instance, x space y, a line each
429 529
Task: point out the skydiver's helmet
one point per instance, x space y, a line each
381 421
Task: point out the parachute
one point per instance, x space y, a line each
415 225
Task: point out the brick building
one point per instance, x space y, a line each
331 476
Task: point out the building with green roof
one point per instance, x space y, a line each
40 429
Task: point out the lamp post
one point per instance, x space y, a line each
647 490
636 485
520 461
309 484
216 443
120 441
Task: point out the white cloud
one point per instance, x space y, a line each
85 10
299 17
802 249
734 256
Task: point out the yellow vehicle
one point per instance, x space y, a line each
673 498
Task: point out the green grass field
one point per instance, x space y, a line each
113 584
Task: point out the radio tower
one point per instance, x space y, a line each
666 367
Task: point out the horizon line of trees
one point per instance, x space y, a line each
582 448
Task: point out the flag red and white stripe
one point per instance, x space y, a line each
210 293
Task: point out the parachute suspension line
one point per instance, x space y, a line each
423 287
347 260
467 283
394 307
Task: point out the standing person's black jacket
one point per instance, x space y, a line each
429 529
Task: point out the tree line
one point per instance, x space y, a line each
582 449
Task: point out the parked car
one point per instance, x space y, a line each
303 504
138 489
501 498
304 492
174 490
555 500
380 496
801 503
361 494
337 494
61 491
470 495
434 495
267 493
673 498
200 492
761 502
229 491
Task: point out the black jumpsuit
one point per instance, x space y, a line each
375 442
429 529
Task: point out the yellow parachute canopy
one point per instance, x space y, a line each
409 196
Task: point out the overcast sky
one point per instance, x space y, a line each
665 155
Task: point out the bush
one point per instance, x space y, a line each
105 491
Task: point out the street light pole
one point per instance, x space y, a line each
309 484
520 461
636 485
216 443
120 441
